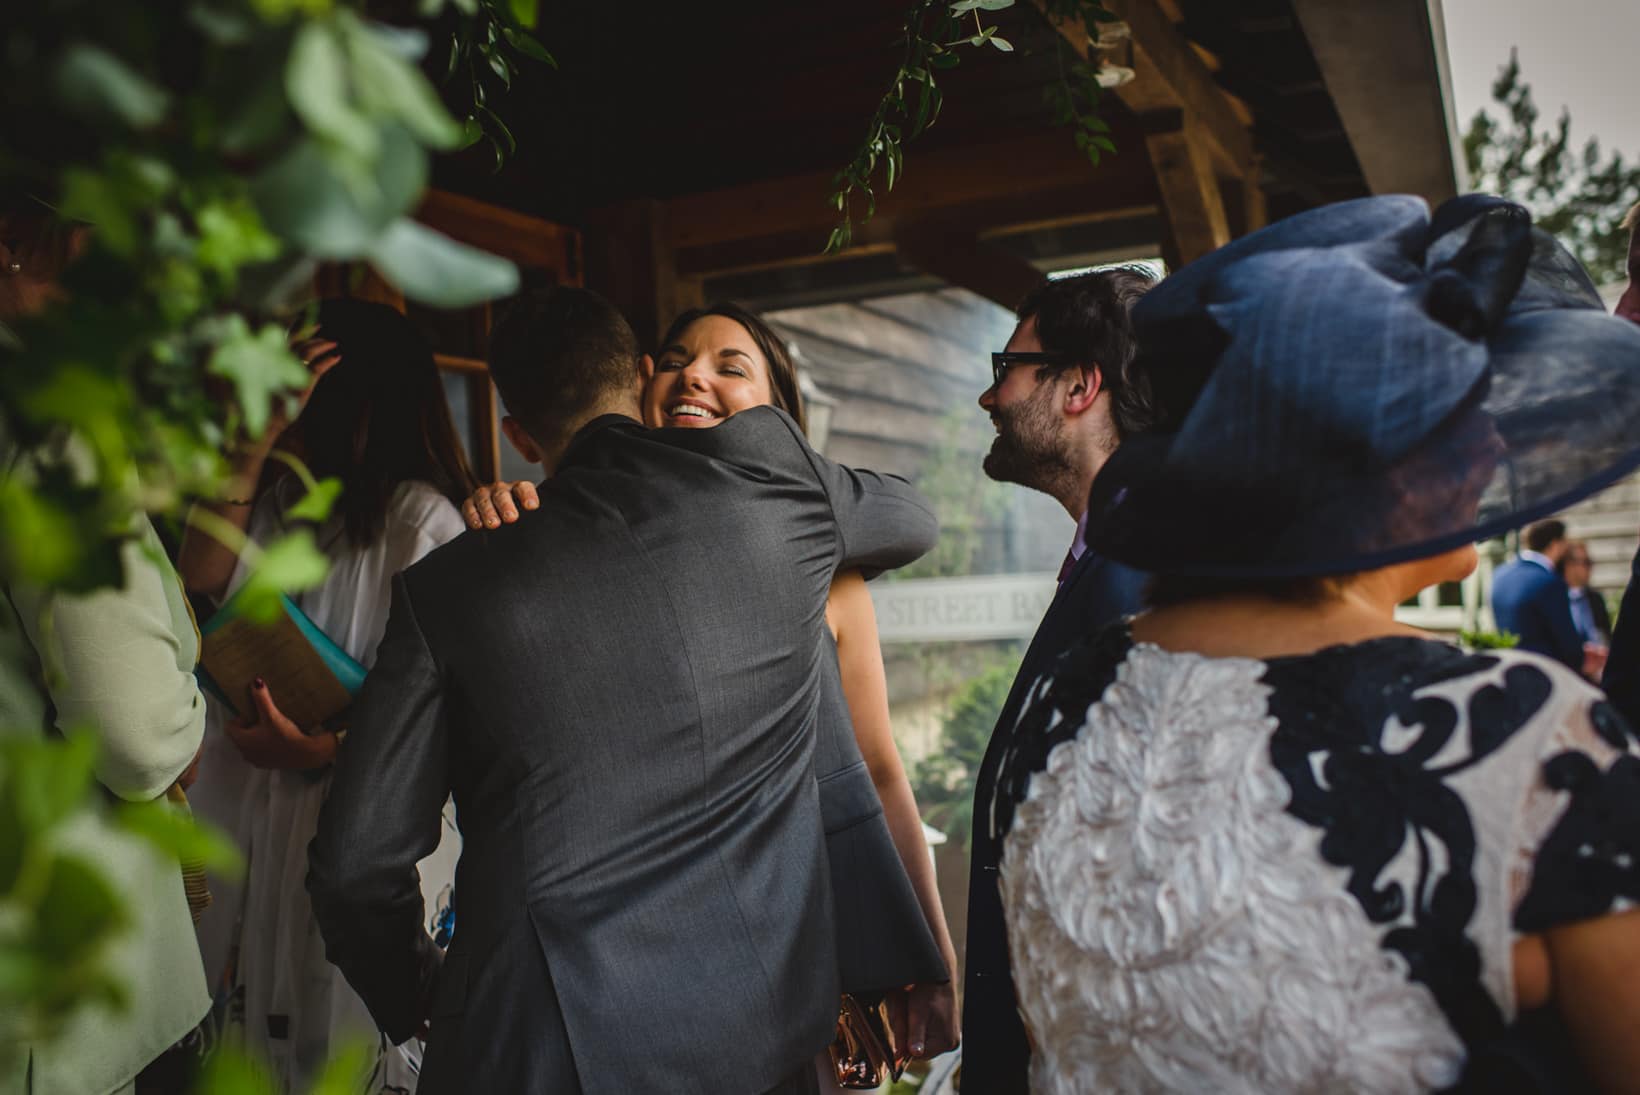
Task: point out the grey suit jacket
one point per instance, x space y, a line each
621 692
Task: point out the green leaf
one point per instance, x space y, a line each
231 235
472 131
260 365
49 780
1002 43
343 1071
229 1070
945 59
316 503
316 83
498 65
288 565
173 831
529 46
96 85
524 12
304 199
434 269
78 912
389 86
224 28
99 200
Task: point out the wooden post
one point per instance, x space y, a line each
631 260
1191 200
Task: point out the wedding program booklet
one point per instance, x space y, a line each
312 680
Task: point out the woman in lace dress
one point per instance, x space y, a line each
1264 838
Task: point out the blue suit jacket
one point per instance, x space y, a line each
1531 601
995 1054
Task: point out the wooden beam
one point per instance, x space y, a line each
631 260
1169 75
1191 200
991 188
528 241
955 255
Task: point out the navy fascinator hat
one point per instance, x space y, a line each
1364 384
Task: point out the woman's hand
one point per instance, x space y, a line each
498 504
930 1020
273 741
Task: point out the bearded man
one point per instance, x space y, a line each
1063 395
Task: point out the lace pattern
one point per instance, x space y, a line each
1172 926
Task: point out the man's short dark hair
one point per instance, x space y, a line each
1544 533
1085 317
556 353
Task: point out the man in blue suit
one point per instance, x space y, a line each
1530 599
1062 395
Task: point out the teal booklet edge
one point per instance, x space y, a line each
341 664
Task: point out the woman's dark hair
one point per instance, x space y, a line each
1173 589
379 417
782 369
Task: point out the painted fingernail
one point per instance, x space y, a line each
916 1049
259 684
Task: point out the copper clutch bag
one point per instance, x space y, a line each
863 1053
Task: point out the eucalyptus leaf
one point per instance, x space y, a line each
1002 43
434 269
97 86
389 86
304 199
316 83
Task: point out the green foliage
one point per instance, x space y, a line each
965 499
1578 198
1488 640
58 913
493 38
231 1071
934 33
944 780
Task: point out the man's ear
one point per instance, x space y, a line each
520 438
646 369
1084 383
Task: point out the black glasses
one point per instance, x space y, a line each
1003 359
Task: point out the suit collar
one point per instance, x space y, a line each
597 426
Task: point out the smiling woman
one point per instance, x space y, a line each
714 362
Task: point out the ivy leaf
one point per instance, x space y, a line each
174 832
288 565
315 505
434 269
259 364
231 235
78 911
98 86
316 84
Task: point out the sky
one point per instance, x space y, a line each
1584 54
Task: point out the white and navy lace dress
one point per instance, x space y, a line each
1305 873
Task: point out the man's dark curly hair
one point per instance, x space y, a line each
1085 317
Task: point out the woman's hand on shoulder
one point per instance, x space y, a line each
498 503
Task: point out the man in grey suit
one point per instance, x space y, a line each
620 691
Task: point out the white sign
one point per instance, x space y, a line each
993 606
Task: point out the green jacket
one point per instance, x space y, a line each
126 658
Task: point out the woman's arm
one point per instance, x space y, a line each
859 657
1595 971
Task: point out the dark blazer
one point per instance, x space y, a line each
995 1055
1531 601
1622 677
1597 610
621 692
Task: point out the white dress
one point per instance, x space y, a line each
1305 874
262 947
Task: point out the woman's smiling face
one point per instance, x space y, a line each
713 369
